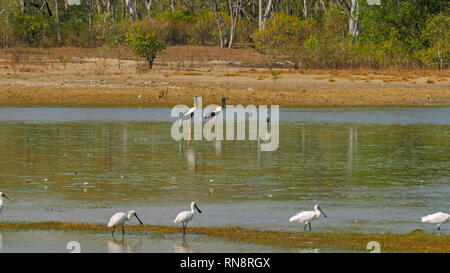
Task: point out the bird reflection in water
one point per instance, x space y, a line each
190 158
183 247
119 246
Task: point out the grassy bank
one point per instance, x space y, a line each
417 241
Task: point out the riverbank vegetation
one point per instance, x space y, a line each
303 34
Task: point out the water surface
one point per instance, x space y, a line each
371 169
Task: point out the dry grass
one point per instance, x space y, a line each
417 241
230 74
35 75
189 73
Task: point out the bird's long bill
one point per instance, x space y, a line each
198 209
138 219
323 212
6 197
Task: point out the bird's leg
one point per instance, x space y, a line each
309 224
189 133
123 230
114 227
184 228
304 228
210 123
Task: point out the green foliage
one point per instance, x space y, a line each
113 34
281 37
437 36
397 33
31 28
145 43
275 73
75 25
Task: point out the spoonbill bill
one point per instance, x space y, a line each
189 113
437 218
1 200
216 110
306 217
120 218
185 216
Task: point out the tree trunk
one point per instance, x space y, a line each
149 6
305 9
150 60
90 5
26 6
131 10
57 20
353 26
232 21
123 9
266 13
220 23
260 14
113 15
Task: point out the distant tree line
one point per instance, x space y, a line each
306 33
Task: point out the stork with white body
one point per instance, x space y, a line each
185 216
216 110
438 218
120 218
1 200
306 217
190 112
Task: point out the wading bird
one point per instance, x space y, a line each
189 113
186 216
120 218
1 200
306 217
216 110
437 218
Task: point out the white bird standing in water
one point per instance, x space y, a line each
189 113
186 216
1 200
120 218
216 110
437 218
306 217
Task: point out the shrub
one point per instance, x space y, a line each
147 39
281 37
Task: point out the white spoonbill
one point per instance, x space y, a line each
306 217
437 218
189 113
186 216
216 110
1 200
120 218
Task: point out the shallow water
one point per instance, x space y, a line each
371 169
40 241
